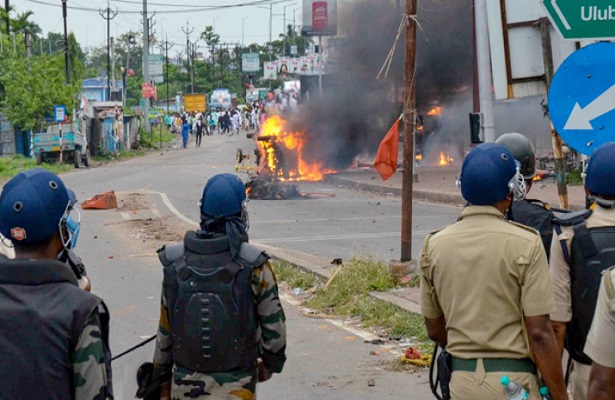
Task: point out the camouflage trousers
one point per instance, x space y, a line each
189 385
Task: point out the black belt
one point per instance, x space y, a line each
524 365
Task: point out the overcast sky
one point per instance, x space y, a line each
90 28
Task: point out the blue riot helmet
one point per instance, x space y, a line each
600 173
224 196
490 173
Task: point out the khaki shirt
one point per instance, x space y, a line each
484 274
599 345
559 268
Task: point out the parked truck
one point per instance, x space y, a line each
195 102
69 142
221 98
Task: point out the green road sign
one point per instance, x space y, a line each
582 19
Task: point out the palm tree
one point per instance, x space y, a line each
21 22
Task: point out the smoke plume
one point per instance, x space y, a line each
355 110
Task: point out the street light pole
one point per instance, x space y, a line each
270 27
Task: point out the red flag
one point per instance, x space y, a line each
386 158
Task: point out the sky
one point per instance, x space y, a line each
91 29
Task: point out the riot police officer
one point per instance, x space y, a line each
529 212
484 281
53 335
576 268
222 326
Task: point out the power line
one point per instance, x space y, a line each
193 10
253 3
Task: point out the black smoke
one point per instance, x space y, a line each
355 110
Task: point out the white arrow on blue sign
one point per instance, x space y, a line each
582 98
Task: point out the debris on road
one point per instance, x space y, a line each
413 356
101 201
371 382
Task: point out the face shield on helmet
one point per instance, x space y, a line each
73 227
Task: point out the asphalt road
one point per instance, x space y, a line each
324 359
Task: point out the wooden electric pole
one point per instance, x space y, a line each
409 129
66 47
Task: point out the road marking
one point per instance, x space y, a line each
337 323
125 216
171 207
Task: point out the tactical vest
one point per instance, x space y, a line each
537 215
43 315
592 251
211 304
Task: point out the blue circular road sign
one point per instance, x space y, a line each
582 98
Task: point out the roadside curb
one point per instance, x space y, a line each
421 195
454 199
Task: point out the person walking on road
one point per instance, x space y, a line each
529 212
53 335
222 326
199 132
485 283
186 130
577 266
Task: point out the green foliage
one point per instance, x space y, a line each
152 140
348 295
10 166
295 277
574 178
358 276
33 86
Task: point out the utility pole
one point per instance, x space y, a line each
560 167
106 14
113 83
189 56
167 46
409 129
146 62
66 49
27 40
483 57
270 27
8 19
193 49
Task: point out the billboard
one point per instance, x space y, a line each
271 70
155 65
319 18
250 62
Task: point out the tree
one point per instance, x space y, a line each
30 97
22 21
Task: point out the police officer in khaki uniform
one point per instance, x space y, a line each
485 286
599 346
576 266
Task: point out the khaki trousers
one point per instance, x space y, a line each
579 380
479 385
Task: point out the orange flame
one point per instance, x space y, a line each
290 146
436 111
444 160
537 178
419 157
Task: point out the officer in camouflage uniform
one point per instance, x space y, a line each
53 335
222 327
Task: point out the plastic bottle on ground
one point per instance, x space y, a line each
513 390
